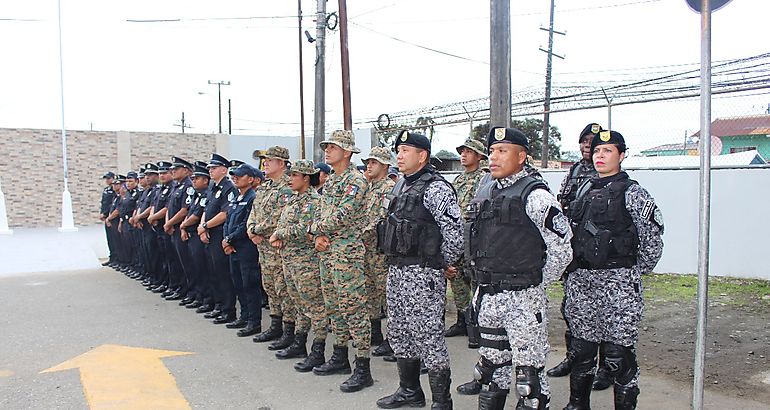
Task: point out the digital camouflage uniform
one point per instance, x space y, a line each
272 197
375 268
301 264
341 218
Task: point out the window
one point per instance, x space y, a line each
741 149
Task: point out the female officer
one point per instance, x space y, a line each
617 238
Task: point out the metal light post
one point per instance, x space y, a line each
219 85
67 219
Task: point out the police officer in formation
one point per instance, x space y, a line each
472 152
201 277
301 267
108 195
422 237
375 269
617 238
519 242
578 174
337 234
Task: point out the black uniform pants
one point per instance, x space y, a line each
127 243
150 249
244 268
181 257
219 267
117 242
165 251
201 284
110 243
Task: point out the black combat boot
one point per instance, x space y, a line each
409 391
625 397
562 369
603 378
286 339
580 390
337 364
471 388
273 332
316 358
377 337
297 349
493 399
383 349
458 329
440 381
362 377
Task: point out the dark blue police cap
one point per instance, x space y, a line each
150 168
609 137
180 163
108 174
507 135
200 170
164 166
392 171
218 161
324 167
119 179
244 169
414 139
132 174
235 162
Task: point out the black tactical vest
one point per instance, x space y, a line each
502 245
604 235
578 175
409 235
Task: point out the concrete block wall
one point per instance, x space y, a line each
31 168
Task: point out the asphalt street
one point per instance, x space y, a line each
52 318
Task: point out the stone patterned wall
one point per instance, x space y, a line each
31 168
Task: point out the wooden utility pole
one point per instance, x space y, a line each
301 84
547 103
319 110
500 63
348 118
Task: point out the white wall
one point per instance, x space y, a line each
740 224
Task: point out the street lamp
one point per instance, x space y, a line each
219 85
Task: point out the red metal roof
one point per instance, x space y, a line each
738 126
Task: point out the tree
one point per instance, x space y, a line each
533 129
423 125
444 154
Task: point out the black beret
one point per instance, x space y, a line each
219 161
592 128
414 139
108 175
180 163
609 137
508 135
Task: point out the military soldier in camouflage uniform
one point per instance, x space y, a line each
272 197
337 231
375 269
472 152
518 243
422 237
618 229
301 267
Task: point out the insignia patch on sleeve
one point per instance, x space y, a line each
556 222
351 190
657 218
648 208
203 202
306 208
230 196
219 193
190 190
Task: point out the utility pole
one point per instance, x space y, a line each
219 85
347 116
183 123
319 110
301 84
500 63
229 118
547 104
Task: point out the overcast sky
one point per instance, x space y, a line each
122 75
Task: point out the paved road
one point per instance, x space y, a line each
51 318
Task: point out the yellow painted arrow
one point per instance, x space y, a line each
123 377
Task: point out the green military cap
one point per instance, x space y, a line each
305 166
344 139
379 154
473 145
276 152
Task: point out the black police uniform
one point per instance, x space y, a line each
201 284
165 250
126 210
108 195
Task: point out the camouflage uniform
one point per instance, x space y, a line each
340 217
272 197
300 263
375 268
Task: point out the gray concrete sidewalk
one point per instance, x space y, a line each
50 318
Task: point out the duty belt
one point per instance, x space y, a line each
499 282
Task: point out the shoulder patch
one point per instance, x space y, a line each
351 190
190 190
218 194
203 201
648 208
557 222
230 196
